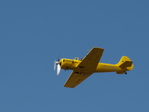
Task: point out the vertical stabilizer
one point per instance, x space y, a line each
125 63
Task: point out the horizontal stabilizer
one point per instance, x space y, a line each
126 64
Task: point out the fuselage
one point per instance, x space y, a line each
71 64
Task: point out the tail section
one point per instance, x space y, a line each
125 63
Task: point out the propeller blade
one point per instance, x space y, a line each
58 69
54 65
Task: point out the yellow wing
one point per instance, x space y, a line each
76 78
91 60
85 68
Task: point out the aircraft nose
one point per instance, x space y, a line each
60 62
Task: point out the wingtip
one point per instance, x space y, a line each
97 48
69 86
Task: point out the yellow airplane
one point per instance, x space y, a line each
83 68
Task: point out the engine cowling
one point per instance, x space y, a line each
69 63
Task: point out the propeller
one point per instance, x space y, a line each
57 66
58 69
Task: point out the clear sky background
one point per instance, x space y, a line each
34 33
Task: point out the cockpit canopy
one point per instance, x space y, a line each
77 58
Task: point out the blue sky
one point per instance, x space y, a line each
34 33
